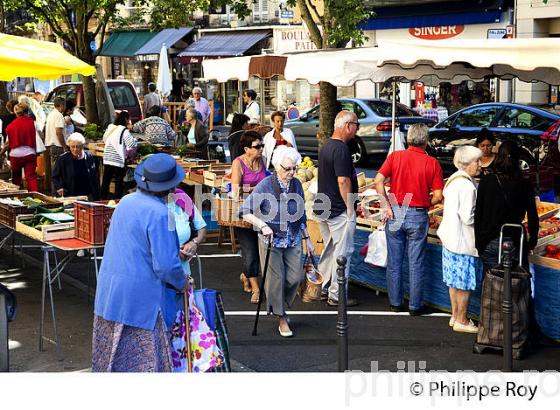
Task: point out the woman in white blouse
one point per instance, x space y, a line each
460 263
277 136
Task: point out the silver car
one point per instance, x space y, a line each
374 135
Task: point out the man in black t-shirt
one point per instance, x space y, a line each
335 203
177 88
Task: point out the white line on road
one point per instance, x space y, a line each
333 312
220 255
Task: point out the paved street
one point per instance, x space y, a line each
377 337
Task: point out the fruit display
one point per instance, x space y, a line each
551 251
28 202
6 187
307 175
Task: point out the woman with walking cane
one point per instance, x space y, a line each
276 209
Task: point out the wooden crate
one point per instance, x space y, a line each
8 213
196 174
538 254
214 178
44 233
226 212
9 188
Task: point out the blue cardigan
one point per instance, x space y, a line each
141 258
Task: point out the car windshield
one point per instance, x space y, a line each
385 109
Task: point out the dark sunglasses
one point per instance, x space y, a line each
357 124
258 146
288 169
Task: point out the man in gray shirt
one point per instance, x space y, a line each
151 98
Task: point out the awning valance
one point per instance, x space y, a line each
126 43
224 44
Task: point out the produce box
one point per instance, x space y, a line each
196 174
8 188
96 148
214 178
92 220
44 233
547 254
30 202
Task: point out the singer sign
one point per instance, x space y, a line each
436 33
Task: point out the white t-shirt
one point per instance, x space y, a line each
253 112
55 120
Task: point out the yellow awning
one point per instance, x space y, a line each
25 57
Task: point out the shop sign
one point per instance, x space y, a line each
496 33
436 32
292 39
419 95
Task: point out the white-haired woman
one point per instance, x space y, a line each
461 266
276 209
75 172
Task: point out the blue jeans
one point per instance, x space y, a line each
410 228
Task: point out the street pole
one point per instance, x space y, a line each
507 248
342 323
4 352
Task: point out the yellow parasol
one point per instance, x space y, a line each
25 57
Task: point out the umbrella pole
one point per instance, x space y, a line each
394 102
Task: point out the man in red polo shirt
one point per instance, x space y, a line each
413 176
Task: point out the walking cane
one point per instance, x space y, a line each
261 288
187 331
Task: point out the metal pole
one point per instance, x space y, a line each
393 113
4 352
342 323
507 248
262 99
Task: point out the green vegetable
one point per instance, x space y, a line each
146 149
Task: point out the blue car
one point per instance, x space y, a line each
374 135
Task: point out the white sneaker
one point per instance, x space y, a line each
469 328
81 253
451 321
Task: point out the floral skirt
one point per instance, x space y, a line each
461 271
121 348
205 353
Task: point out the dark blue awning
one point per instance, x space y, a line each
168 37
224 44
428 15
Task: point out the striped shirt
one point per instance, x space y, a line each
156 130
115 147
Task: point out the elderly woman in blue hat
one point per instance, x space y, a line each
140 263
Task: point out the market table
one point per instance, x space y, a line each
52 273
545 284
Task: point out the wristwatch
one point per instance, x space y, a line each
195 240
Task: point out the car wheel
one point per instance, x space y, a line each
358 152
526 161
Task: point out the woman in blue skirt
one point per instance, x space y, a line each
460 263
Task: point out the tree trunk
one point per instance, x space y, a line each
327 111
90 100
3 97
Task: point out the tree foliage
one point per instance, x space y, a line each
333 25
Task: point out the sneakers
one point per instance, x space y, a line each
468 328
349 302
324 296
451 321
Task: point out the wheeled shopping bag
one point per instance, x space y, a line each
491 327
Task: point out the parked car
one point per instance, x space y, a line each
374 135
123 94
504 121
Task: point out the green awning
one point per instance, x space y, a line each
125 43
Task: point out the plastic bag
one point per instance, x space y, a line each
377 248
398 143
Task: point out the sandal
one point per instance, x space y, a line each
255 297
246 286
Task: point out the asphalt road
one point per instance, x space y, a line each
378 339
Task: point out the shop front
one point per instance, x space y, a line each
488 19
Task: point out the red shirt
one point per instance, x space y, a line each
21 132
413 171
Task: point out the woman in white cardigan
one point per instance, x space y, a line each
460 263
277 136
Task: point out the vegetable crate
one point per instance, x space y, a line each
91 221
8 212
44 233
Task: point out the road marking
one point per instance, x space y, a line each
221 255
333 312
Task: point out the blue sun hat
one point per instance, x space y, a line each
158 173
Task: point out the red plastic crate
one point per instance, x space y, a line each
91 221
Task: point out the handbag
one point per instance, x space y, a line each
377 248
311 286
39 144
